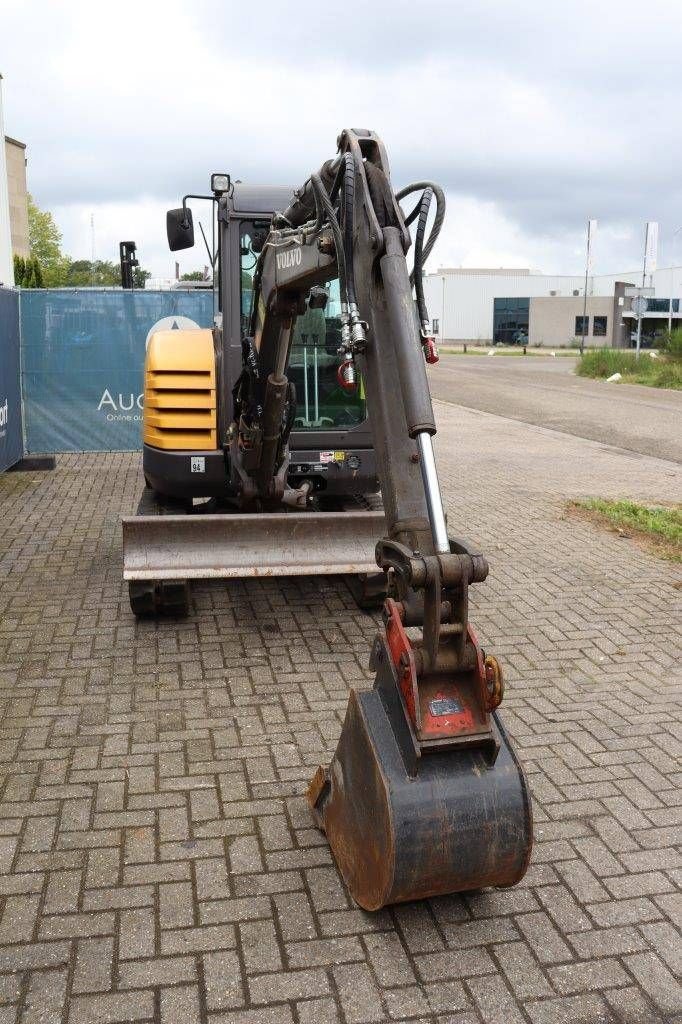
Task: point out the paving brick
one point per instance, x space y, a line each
631 1006
418 928
287 985
666 941
62 892
294 914
587 976
460 963
112 1008
543 938
198 940
46 997
603 942
359 995
522 971
388 959
582 1009
659 984
92 970
324 952
176 908
137 934
495 1001
626 911
406 1002
180 1004
163 971
259 946
318 1011
19 918
223 980
76 925
263 1015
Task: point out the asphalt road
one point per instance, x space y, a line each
545 391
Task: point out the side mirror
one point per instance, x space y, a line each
180 229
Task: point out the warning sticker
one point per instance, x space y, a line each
339 456
326 456
445 706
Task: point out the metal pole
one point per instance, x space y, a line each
639 314
434 503
582 343
588 252
317 396
639 334
305 385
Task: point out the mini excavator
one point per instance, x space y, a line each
424 795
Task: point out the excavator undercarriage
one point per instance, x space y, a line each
424 794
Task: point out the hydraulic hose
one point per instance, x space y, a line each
323 197
419 256
348 207
440 212
422 250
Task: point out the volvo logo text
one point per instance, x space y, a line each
291 258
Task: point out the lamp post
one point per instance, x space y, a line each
591 229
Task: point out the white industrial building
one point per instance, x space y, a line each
6 266
507 305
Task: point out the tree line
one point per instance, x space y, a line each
48 267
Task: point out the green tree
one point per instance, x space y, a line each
45 240
19 269
38 274
140 275
193 275
82 274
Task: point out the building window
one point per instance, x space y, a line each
599 326
436 326
582 326
510 321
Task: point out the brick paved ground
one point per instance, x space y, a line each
156 857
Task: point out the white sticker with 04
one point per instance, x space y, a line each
198 464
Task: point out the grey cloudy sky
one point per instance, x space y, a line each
534 115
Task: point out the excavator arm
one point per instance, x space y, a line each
424 795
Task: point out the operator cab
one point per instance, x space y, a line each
331 443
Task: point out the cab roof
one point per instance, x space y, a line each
263 199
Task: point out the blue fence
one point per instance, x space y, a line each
11 444
83 360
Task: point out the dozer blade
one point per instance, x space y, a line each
457 823
248 545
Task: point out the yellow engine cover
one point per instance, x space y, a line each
180 391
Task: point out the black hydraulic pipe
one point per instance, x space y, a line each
419 258
303 206
405 337
273 410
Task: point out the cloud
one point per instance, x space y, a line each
534 117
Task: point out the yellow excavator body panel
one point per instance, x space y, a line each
180 391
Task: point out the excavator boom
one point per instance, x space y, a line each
424 794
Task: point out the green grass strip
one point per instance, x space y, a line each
658 523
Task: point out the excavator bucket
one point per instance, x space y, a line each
407 820
185 547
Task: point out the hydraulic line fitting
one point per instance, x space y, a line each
429 347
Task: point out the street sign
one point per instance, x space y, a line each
640 305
